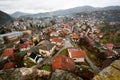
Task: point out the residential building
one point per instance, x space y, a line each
9 65
76 54
83 27
109 53
109 46
57 40
54 34
24 46
46 48
75 37
36 57
8 52
62 62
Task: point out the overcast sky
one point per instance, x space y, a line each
35 6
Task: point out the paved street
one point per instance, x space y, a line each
67 42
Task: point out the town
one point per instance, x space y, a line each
59 48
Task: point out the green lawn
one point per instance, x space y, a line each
64 52
29 62
46 67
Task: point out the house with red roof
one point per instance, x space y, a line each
58 41
109 46
46 48
8 52
62 62
76 54
92 36
83 27
74 37
54 34
62 32
82 34
24 46
9 65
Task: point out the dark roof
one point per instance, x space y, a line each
109 53
33 55
106 62
47 47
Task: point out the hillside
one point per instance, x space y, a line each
69 11
19 14
4 18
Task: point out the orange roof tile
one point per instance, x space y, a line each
92 35
76 53
62 62
75 36
8 52
83 27
9 65
25 45
109 45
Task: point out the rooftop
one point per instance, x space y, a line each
45 45
76 53
62 62
75 36
8 52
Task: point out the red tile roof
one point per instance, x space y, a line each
62 62
25 45
92 35
83 27
109 45
82 33
76 53
63 31
52 30
8 52
75 36
9 65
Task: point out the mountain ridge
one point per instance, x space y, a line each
70 11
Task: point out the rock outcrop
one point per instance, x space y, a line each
23 74
111 72
64 75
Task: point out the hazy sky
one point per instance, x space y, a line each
35 6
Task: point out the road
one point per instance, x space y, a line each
67 42
95 69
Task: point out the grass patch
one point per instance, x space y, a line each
64 52
28 62
92 57
40 79
46 67
1 51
